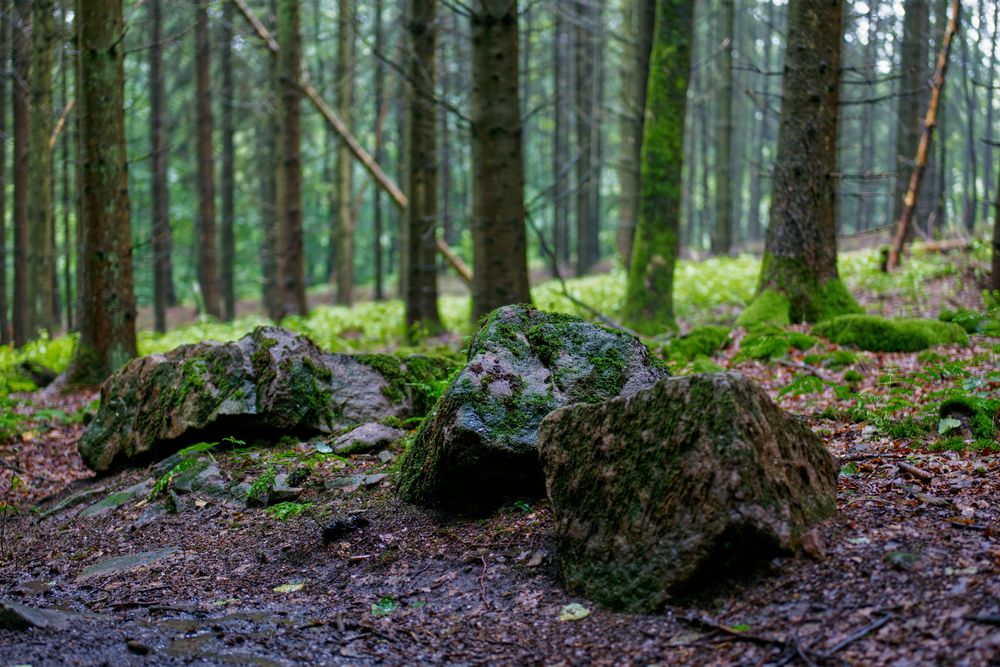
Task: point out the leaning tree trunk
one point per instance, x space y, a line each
291 283
160 195
107 301
649 301
798 278
227 238
20 59
40 212
208 265
345 212
499 240
419 247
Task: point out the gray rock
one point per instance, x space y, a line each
693 480
125 563
282 492
367 438
115 500
270 381
15 616
479 444
385 456
72 501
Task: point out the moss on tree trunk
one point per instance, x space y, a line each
649 305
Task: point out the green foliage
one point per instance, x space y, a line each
385 606
287 510
880 334
187 458
261 488
704 341
771 342
982 414
972 321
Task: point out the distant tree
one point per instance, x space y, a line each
4 54
420 233
798 279
344 236
913 98
107 302
499 240
587 21
208 264
722 238
561 163
40 205
162 237
20 61
995 276
227 239
291 281
649 304
379 150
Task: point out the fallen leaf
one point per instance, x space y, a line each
291 587
574 611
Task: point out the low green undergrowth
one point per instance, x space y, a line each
880 334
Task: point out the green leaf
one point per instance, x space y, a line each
574 611
948 424
291 587
850 469
742 627
323 448
385 606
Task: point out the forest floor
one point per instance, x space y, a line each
907 572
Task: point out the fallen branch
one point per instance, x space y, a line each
914 471
855 636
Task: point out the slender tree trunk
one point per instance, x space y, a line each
969 168
208 266
995 275
586 253
379 150
227 238
67 200
990 92
912 102
107 313
162 241
649 303
799 279
20 60
4 55
722 239
560 151
419 249
291 286
345 104
498 234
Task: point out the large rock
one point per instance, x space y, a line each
271 381
479 445
686 482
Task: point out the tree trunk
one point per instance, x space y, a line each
722 239
345 103
227 239
419 238
379 152
991 78
586 84
67 199
649 305
912 102
107 312
969 169
20 60
995 276
500 264
291 285
799 279
161 241
208 266
4 54
560 150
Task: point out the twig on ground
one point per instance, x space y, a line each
990 619
914 471
855 636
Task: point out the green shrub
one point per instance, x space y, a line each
770 342
880 334
703 341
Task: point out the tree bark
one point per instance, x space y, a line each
722 239
20 60
912 102
208 265
500 264
419 237
227 238
562 73
585 85
379 151
107 312
291 287
995 275
799 279
345 189
161 242
649 306
67 199
4 54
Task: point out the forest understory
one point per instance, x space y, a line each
905 574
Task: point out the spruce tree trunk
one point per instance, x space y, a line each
912 104
649 302
67 199
585 86
107 302
419 237
20 59
500 264
722 239
560 150
291 285
995 276
379 152
799 279
40 212
4 54
227 239
162 242
208 265
344 264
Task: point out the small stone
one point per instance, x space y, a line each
118 498
339 528
282 492
385 456
375 480
367 438
16 616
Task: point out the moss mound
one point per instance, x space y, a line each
982 415
972 321
808 302
771 342
699 342
881 334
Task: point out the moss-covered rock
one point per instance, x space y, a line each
271 381
691 480
478 446
880 334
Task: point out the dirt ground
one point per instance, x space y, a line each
907 573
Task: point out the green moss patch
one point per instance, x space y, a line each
703 341
981 414
880 334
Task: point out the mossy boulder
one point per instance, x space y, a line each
478 445
880 334
270 382
690 481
